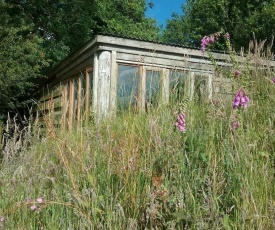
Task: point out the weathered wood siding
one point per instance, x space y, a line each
85 84
48 108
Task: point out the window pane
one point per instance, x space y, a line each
127 86
177 84
152 85
200 87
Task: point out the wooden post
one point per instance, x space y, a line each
1 135
191 84
79 101
113 83
142 88
87 95
95 86
64 106
104 76
210 91
71 105
165 86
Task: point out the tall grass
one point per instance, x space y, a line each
138 171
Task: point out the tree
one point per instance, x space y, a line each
242 19
35 35
22 59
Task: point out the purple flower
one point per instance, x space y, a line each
211 39
214 102
237 73
180 122
273 80
241 99
39 200
33 207
227 35
235 125
28 200
204 43
2 219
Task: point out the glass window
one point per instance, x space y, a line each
200 87
127 86
153 79
178 84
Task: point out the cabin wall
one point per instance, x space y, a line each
108 78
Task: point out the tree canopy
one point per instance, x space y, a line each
242 19
35 35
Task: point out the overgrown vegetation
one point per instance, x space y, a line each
138 171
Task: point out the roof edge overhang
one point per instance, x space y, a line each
108 42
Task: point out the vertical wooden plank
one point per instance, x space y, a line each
64 106
104 75
79 101
165 85
210 81
1 135
71 105
87 96
113 84
191 84
95 86
142 87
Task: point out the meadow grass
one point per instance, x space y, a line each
138 171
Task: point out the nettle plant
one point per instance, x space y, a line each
239 73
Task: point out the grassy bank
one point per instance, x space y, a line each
138 171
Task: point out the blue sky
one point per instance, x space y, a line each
163 9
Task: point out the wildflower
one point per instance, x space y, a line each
241 99
180 123
204 42
211 39
39 200
227 35
33 207
237 73
28 200
214 102
273 80
236 124
2 219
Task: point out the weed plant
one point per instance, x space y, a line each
139 171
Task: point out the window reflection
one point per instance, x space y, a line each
127 86
178 84
152 86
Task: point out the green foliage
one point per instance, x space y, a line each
22 59
241 19
36 35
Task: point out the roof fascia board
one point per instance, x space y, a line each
74 56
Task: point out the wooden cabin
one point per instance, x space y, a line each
110 73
